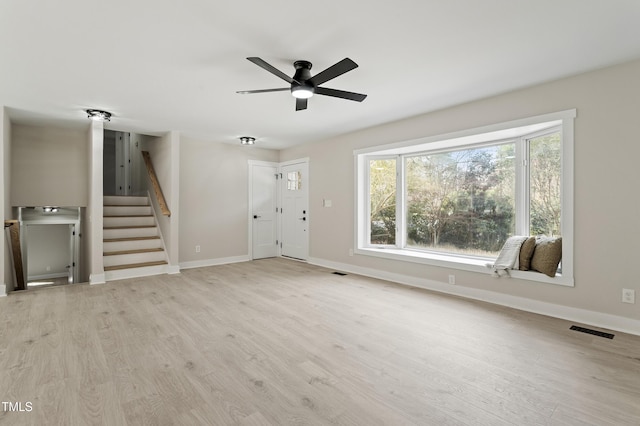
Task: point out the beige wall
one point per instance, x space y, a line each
49 247
607 148
214 198
49 166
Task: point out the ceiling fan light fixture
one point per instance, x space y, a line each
98 115
303 85
302 92
247 140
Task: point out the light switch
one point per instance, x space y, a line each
326 203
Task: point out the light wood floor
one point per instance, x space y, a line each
277 342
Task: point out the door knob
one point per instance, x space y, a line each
302 218
255 216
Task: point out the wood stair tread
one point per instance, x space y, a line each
129 215
129 227
125 205
117 240
116 253
134 265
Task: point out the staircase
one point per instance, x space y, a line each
132 245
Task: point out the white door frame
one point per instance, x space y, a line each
279 167
75 241
280 195
250 208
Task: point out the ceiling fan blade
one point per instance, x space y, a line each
333 71
301 103
246 92
358 97
273 70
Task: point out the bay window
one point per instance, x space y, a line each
454 200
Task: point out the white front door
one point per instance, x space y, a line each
263 210
295 210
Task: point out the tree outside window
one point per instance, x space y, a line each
464 201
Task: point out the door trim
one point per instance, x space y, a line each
278 167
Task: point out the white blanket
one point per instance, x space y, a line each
509 256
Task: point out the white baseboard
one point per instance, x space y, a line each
173 269
146 271
97 279
214 262
597 319
3 290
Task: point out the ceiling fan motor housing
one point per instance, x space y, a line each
301 77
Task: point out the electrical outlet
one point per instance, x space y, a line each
197 249
628 295
350 252
452 279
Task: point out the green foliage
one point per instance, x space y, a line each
545 159
455 200
464 201
382 190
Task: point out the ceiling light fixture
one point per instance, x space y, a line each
98 115
247 140
302 92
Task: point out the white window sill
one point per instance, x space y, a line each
459 262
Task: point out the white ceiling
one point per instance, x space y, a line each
161 65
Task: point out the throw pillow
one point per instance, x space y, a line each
547 255
526 253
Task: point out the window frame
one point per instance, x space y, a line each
523 129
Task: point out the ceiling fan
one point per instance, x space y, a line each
303 85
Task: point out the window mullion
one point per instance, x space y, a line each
400 203
522 187
367 201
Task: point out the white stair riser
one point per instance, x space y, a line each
126 259
130 233
131 245
126 210
135 272
110 222
113 199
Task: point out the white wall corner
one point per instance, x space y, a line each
3 290
583 316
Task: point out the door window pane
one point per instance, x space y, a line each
294 181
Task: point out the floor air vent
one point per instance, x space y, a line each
594 332
342 274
